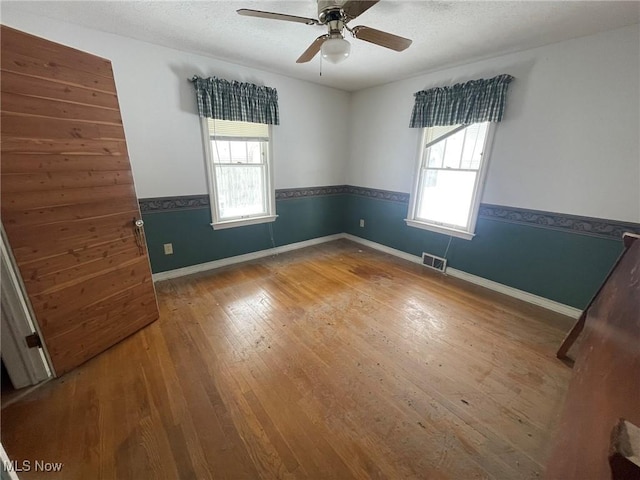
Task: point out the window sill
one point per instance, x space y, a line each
243 222
439 229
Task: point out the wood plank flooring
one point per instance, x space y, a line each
330 362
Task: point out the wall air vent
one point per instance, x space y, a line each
436 263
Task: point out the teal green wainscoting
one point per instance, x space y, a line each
559 257
557 264
188 228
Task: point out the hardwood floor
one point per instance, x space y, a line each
330 362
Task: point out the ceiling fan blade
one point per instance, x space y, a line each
353 8
277 16
313 49
384 39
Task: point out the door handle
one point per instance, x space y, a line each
138 230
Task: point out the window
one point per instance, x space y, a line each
240 173
448 184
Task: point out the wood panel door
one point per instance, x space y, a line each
68 199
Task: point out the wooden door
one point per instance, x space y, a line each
68 199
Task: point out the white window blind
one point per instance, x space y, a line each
228 130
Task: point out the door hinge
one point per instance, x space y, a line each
33 341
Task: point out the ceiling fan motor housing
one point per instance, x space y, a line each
333 17
325 6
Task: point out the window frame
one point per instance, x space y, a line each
270 194
413 221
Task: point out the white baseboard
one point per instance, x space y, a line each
519 294
383 248
223 262
483 282
491 285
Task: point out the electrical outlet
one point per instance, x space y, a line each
168 248
362 222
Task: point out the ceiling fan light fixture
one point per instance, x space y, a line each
335 50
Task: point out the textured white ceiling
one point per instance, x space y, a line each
444 33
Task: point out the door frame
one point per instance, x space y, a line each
8 470
26 366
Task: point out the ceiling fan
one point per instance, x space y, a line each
336 15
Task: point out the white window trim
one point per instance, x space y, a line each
412 221
243 221
218 224
454 232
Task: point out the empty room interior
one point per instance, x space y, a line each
320 239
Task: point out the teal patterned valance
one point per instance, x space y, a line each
461 104
240 102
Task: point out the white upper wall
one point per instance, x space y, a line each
158 109
569 141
